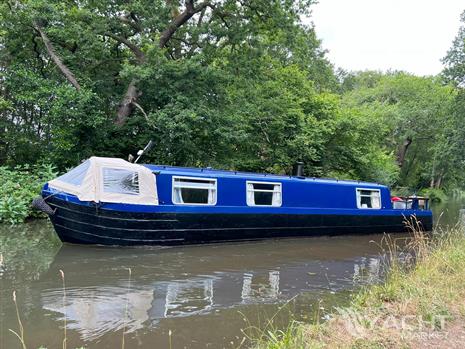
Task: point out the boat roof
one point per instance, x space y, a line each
211 172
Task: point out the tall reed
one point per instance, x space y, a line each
65 339
20 324
126 311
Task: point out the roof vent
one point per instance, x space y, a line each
298 169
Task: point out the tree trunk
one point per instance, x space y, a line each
179 20
127 104
174 6
403 151
439 181
432 182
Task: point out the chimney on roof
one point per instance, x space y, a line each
298 169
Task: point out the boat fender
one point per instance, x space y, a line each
39 204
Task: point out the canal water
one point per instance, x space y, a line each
210 296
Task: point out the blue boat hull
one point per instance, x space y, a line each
90 224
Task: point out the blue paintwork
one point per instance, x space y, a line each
299 195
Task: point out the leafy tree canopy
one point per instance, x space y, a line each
239 84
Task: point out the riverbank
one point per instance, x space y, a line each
419 305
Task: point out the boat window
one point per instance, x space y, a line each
264 194
369 198
120 181
194 191
76 175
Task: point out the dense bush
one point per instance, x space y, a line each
18 187
435 194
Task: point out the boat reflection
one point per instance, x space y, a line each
182 282
93 311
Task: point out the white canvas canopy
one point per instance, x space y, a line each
109 180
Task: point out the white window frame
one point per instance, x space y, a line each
358 195
193 186
251 199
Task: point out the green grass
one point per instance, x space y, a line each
429 287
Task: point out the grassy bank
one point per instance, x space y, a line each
421 304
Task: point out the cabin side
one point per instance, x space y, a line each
180 187
116 181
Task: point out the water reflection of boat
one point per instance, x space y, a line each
180 282
95 310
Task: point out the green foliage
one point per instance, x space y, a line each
59 123
452 146
240 85
292 337
435 194
18 187
399 108
455 58
203 97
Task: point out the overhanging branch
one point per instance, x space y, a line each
55 58
133 47
178 21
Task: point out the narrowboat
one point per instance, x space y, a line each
111 201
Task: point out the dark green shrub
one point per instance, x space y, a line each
18 186
435 195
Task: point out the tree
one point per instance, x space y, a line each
452 141
412 113
239 84
104 77
455 59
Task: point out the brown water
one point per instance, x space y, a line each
210 296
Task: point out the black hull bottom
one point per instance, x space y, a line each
89 225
